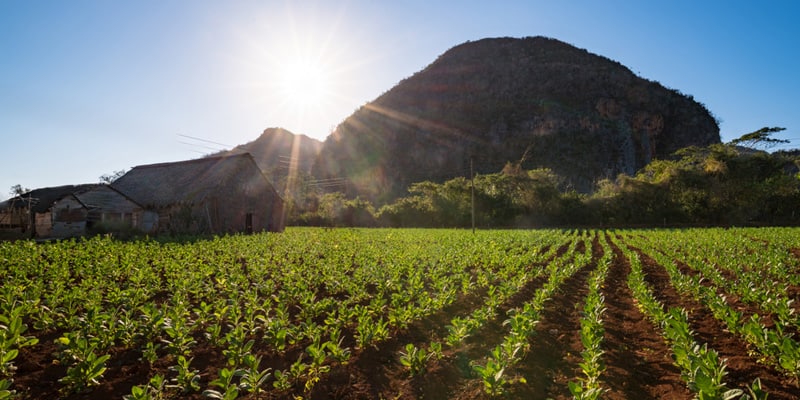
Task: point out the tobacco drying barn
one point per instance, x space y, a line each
224 194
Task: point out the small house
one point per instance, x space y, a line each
73 210
99 209
225 194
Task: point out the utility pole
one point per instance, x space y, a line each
472 193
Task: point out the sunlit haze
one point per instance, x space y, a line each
92 87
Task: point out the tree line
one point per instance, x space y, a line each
723 184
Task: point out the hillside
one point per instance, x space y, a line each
536 100
276 149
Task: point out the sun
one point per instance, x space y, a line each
304 84
301 70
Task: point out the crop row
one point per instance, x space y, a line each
282 311
244 296
775 345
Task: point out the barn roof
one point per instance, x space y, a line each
41 199
102 197
187 181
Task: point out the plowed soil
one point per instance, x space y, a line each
637 358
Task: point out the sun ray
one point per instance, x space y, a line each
303 68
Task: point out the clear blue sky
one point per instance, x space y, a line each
92 87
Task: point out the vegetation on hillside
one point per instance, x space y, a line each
719 184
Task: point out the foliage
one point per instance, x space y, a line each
720 184
760 138
85 367
110 178
414 359
333 209
18 190
252 298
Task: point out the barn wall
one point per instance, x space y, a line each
146 221
249 193
108 209
69 218
10 218
186 218
44 224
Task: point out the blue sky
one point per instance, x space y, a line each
92 87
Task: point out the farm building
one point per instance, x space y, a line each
100 209
224 194
73 210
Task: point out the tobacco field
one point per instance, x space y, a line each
405 314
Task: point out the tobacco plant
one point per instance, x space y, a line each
85 367
282 380
238 346
225 381
493 373
414 359
153 390
12 339
253 379
187 379
334 347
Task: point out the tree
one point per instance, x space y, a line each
18 190
110 178
760 138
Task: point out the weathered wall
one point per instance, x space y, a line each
69 219
44 224
146 221
246 196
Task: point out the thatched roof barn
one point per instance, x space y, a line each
208 195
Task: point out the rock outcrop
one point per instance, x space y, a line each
493 100
276 149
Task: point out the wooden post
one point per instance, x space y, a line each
472 193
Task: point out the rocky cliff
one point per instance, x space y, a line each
277 149
536 100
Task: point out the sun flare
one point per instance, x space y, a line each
304 84
304 69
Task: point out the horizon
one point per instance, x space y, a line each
92 88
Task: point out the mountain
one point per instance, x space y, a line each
277 149
535 101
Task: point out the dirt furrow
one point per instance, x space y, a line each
638 361
742 368
376 372
555 349
452 377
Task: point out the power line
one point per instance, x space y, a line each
200 145
327 180
205 140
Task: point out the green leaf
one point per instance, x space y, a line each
704 382
10 355
732 394
212 394
576 389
